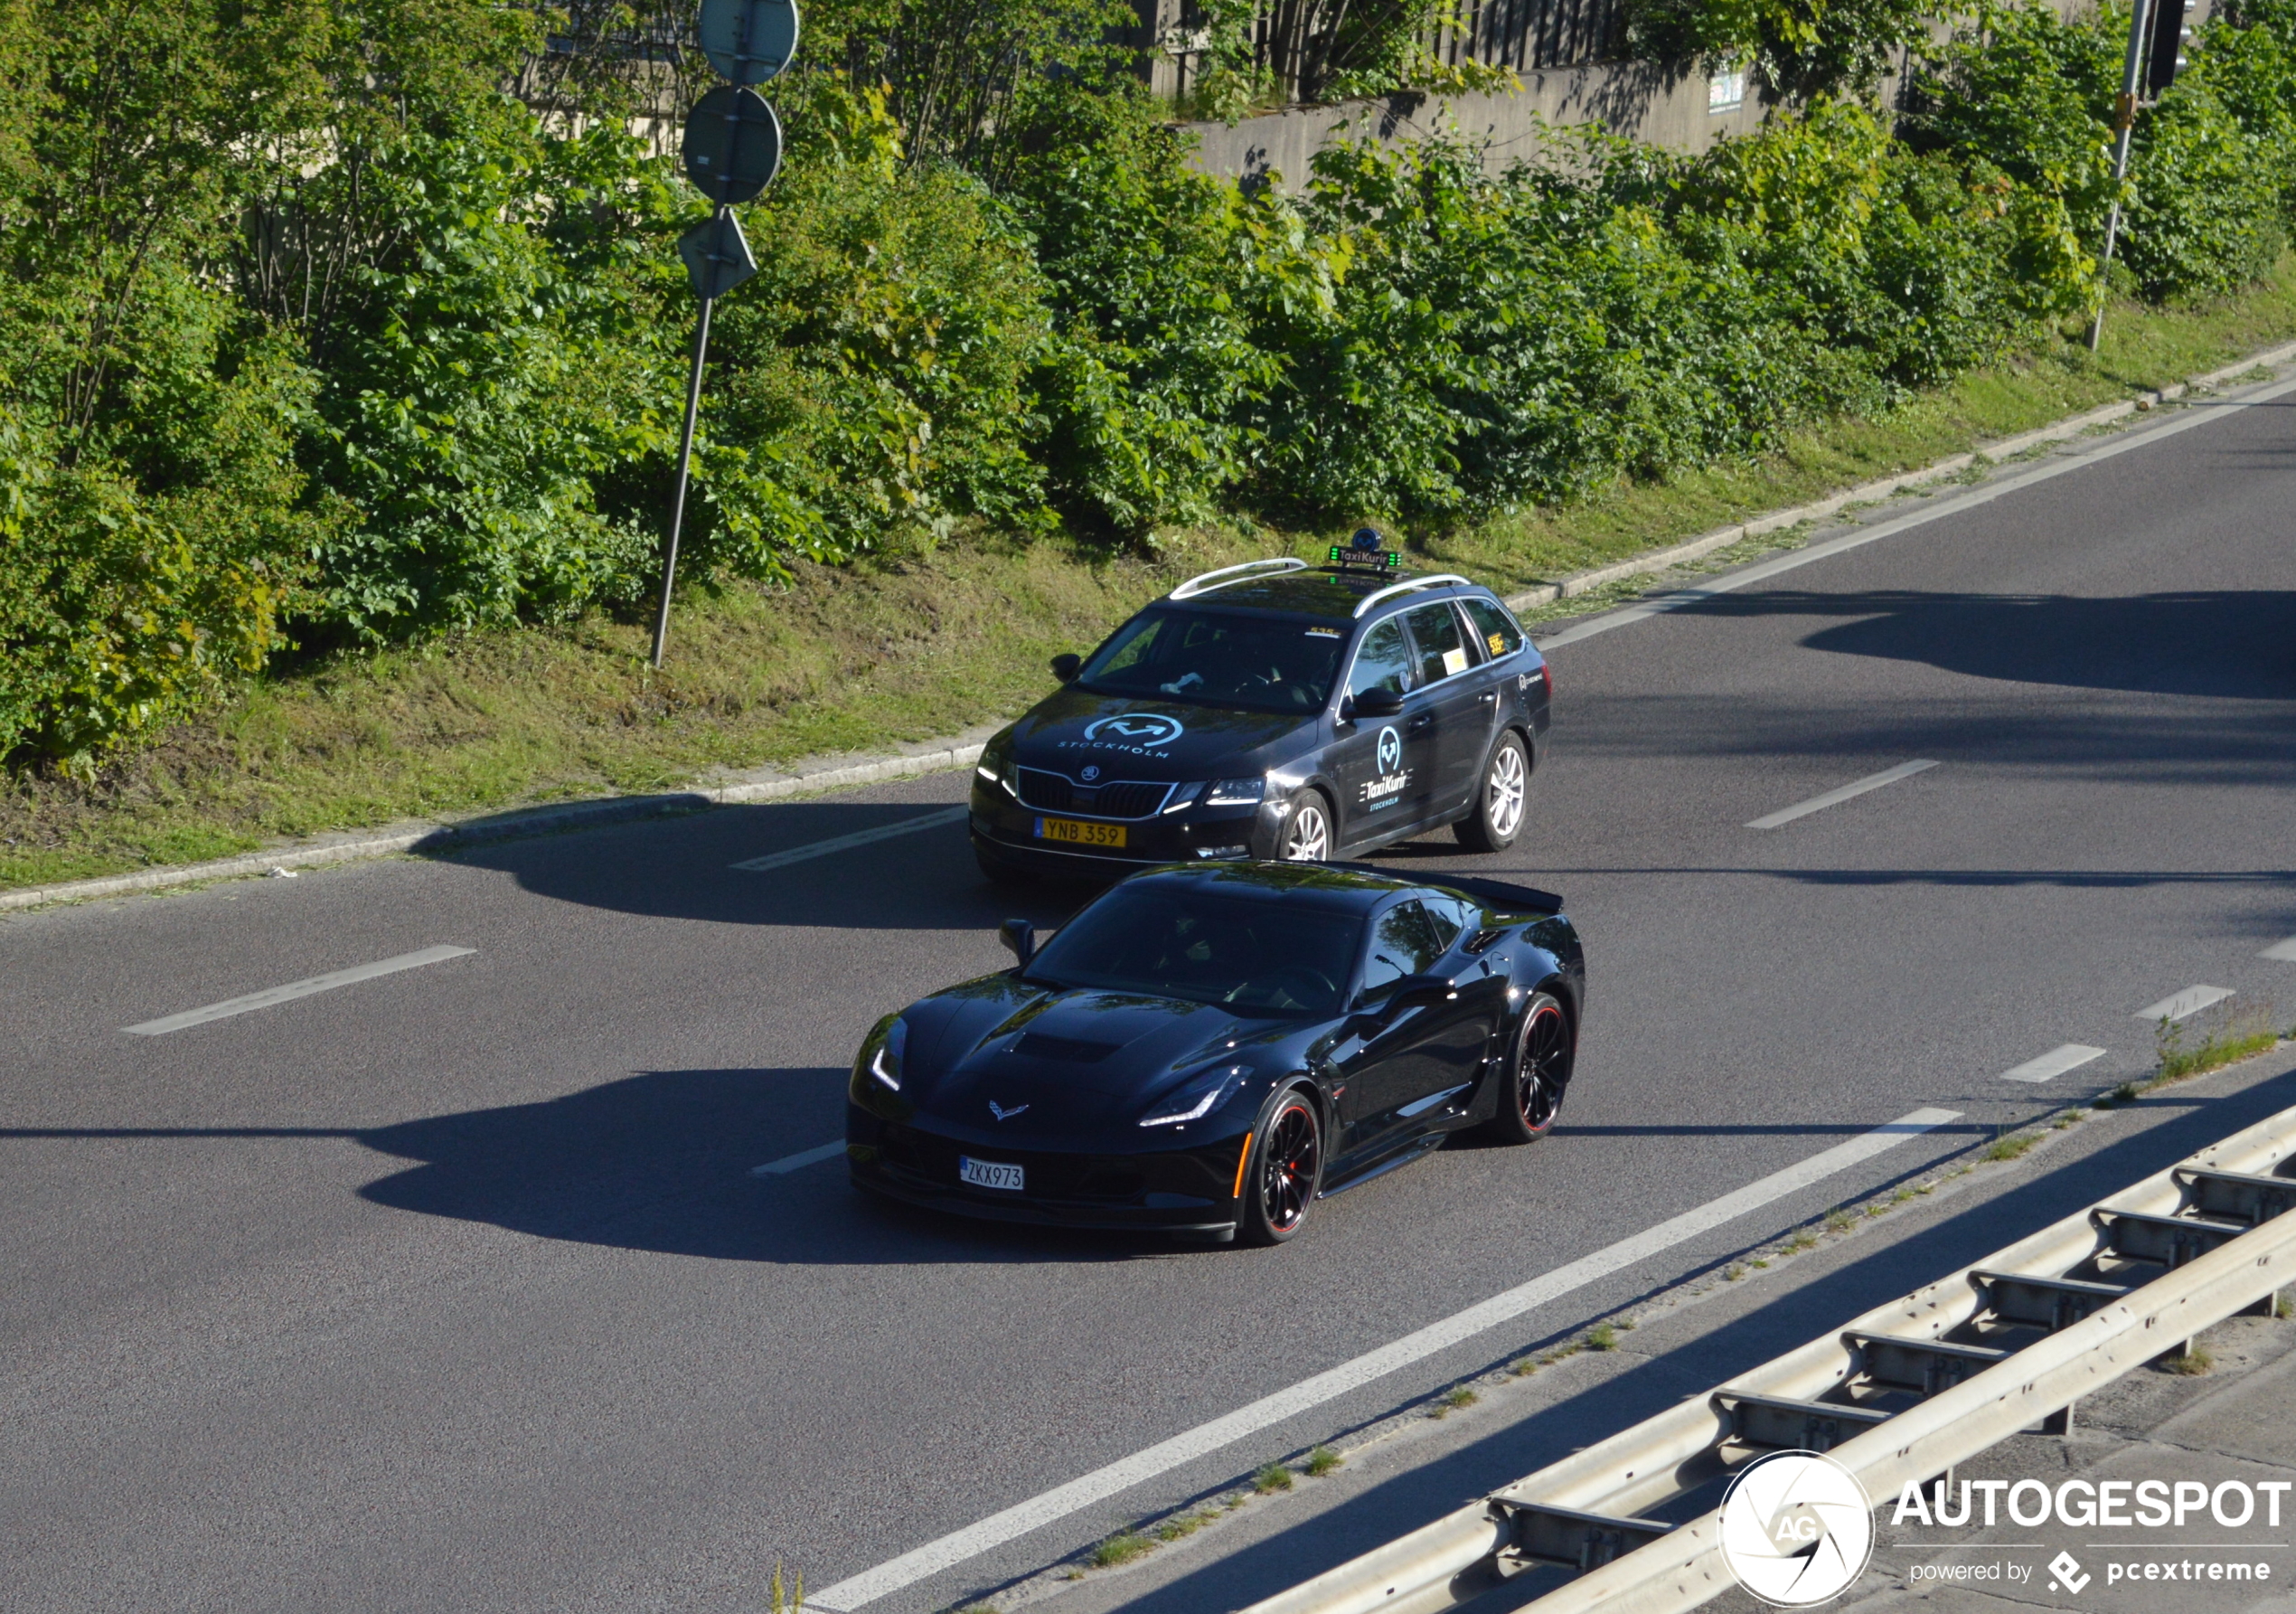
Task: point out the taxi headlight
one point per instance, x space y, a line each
1236 793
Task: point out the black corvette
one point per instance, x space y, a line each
1207 1049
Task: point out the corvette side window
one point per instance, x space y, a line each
1402 943
1383 661
1500 635
1449 916
1443 648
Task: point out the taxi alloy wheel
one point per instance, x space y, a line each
1497 817
1307 830
1530 1093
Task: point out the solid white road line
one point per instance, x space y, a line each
798 1162
934 1556
2185 1003
859 837
2283 951
2057 1062
1986 495
295 990
1872 782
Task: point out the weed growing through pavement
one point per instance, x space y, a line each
1602 1336
1454 1400
1185 1526
1273 1477
785 1599
2235 1031
1321 1462
2284 1308
1122 1547
1733 1272
2010 1146
2191 1364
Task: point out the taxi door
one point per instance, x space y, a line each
1383 766
1457 707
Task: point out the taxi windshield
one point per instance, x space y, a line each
1253 957
1219 658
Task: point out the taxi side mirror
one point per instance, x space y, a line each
1065 668
1377 702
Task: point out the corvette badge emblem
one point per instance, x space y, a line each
1002 1113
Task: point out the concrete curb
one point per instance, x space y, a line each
1868 493
772 784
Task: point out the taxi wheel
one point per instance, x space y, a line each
1306 836
1285 1169
1501 803
1530 1093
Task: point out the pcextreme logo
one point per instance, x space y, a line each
1797 1529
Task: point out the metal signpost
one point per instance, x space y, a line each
2154 69
732 152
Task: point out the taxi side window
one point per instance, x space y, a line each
1403 942
1443 648
1383 661
1500 635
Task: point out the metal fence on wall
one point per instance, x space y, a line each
1523 34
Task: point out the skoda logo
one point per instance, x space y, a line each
1139 728
1091 774
1391 750
1797 1529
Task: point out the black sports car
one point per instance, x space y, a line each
1273 710
1209 1048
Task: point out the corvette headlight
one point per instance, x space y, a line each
1236 793
884 1062
1195 1099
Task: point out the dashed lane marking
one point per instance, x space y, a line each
859 837
2056 1062
2185 1005
2282 951
1872 782
799 1161
295 990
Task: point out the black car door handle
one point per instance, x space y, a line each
1487 696
1425 720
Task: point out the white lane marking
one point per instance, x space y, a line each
1872 782
1975 496
295 990
859 837
798 1162
2283 951
2185 1003
2057 1062
1166 1455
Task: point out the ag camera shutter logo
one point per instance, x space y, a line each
1797 1529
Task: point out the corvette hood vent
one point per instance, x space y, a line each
1073 1051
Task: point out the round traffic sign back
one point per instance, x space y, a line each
732 144
748 41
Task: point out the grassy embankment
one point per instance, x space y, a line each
907 646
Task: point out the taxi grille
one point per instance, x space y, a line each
1119 799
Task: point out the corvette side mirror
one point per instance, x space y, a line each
1377 702
1021 936
1065 668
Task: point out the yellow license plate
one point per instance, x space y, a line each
1083 834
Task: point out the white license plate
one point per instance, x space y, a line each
988 1174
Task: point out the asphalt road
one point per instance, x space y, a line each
453 1289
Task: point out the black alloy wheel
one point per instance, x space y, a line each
1501 800
1531 1094
1287 1165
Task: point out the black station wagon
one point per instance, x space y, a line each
1273 710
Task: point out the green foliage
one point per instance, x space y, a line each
1799 50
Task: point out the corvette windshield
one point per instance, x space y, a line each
1257 957
1265 664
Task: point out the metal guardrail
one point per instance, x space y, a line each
1901 1393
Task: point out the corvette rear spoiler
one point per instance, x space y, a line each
1497 893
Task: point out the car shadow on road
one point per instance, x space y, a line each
1419 1495
2230 644
660 1161
684 868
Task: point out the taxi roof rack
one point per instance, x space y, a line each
1436 581
1206 583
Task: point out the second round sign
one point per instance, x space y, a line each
732 144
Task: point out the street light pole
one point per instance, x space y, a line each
2124 119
